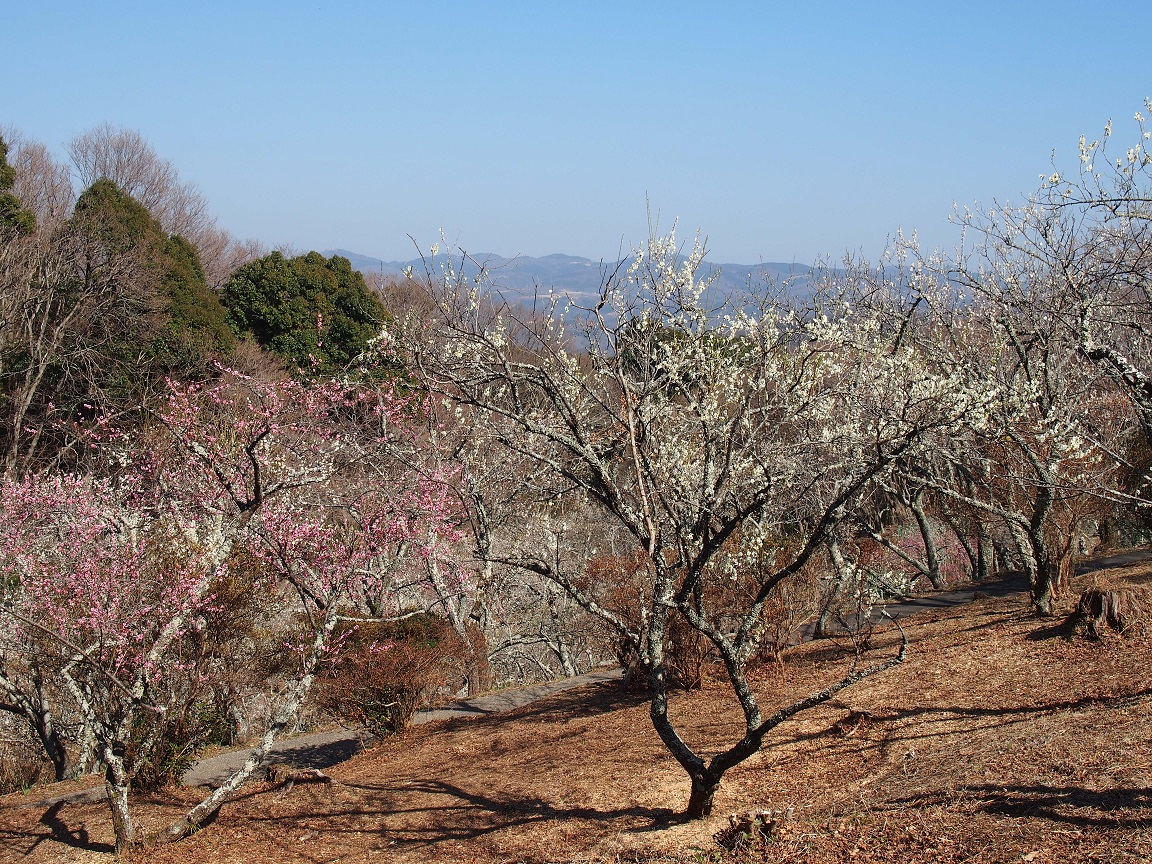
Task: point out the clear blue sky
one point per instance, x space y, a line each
781 131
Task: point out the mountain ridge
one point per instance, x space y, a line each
575 275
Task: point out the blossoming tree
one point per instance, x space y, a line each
723 442
111 574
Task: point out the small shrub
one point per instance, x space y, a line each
383 672
174 747
20 767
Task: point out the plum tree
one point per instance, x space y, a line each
108 575
718 440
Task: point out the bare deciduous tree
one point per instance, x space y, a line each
128 160
723 442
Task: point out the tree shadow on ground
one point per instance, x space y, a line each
1060 629
587 701
455 814
61 833
1071 805
832 651
891 717
57 832
317 755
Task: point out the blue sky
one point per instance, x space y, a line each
783 132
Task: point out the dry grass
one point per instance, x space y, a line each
997 741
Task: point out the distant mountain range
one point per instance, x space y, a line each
580 278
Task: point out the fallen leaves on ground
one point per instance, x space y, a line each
997 741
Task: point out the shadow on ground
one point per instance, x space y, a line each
1071 805
57 831
454 814
321 755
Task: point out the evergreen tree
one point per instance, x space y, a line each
12 213
316 313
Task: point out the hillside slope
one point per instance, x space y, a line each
998 740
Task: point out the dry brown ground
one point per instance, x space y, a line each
997 740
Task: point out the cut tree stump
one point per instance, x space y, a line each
751 829
1100 609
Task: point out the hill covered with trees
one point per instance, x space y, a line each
244 492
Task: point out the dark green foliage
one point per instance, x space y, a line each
102 308
120 306
278 302
12 213
196 320
188 323
115 223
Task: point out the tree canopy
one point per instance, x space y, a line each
116 229
312 311
96 310
12 212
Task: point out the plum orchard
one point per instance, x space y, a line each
724 444
671 463
102 579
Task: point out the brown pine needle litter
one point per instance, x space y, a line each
999 740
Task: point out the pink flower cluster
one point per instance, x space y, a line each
86 567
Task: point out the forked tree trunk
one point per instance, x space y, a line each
703 792
706 775
38 712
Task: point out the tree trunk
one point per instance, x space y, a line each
479 671
47 730
49 736
117 783
962 537
823 625
985 556
1047 570
1034 558
1108 533
38 712
478 675
703 792
931 555
1047 576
